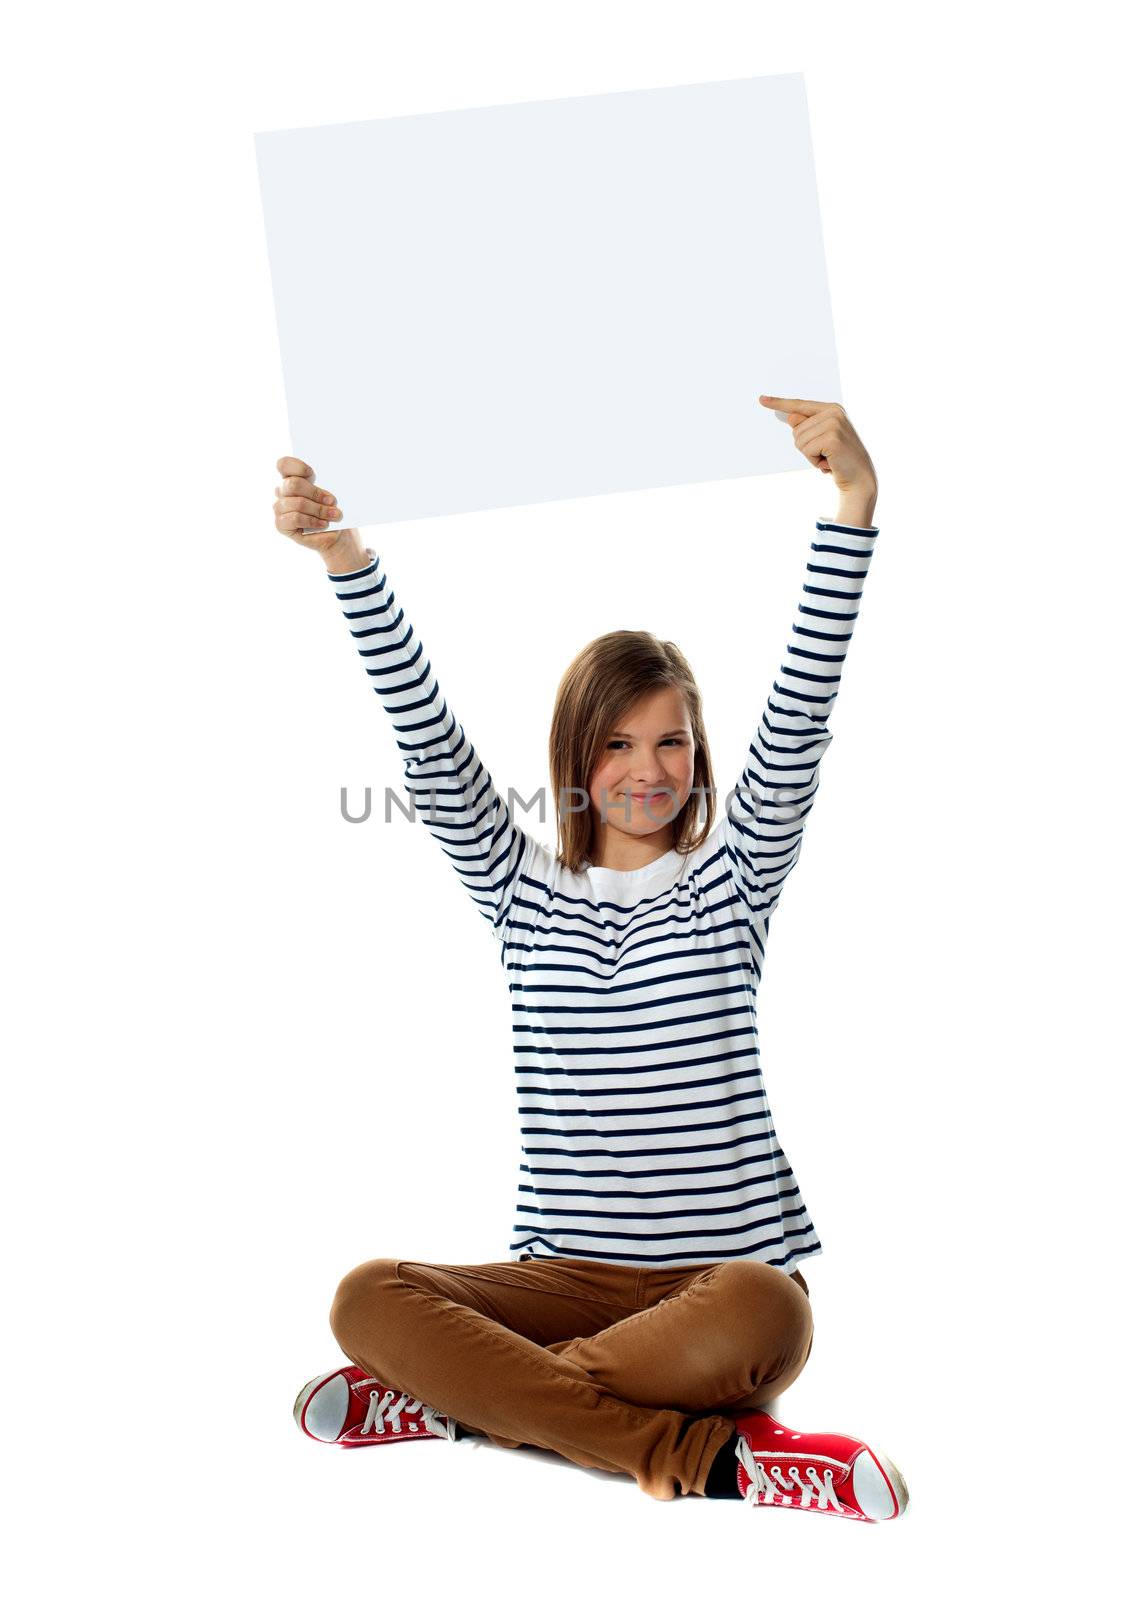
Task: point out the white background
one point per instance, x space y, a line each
217 1097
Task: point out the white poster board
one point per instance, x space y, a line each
533 302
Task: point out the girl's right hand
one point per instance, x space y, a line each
304 512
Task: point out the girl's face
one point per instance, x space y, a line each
650 750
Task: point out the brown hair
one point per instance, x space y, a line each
603 682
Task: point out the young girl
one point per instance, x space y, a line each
651 1305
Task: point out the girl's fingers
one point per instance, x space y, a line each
817 443
302 509
300 485
804 408
823 433
809 428
308 508
833 429
299 522
298 480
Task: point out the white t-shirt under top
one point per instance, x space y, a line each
645 1127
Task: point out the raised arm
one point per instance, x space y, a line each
766 814
451 791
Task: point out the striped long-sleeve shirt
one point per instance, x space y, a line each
645 1127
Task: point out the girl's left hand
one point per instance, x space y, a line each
826 436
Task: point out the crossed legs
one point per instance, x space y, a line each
627 1369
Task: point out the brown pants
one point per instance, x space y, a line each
629 1369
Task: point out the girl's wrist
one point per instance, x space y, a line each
346 555
856 508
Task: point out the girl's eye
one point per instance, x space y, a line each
676 739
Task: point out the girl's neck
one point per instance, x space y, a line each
623 852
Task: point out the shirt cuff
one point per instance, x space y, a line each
341 577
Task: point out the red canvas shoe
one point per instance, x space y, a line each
348 1407
815 1471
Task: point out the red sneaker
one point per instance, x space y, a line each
815 1471
348 1407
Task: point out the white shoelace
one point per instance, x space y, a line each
384 1407
814 1491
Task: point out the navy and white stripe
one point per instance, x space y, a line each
450 790
646 1132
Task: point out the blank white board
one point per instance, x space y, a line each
521 303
